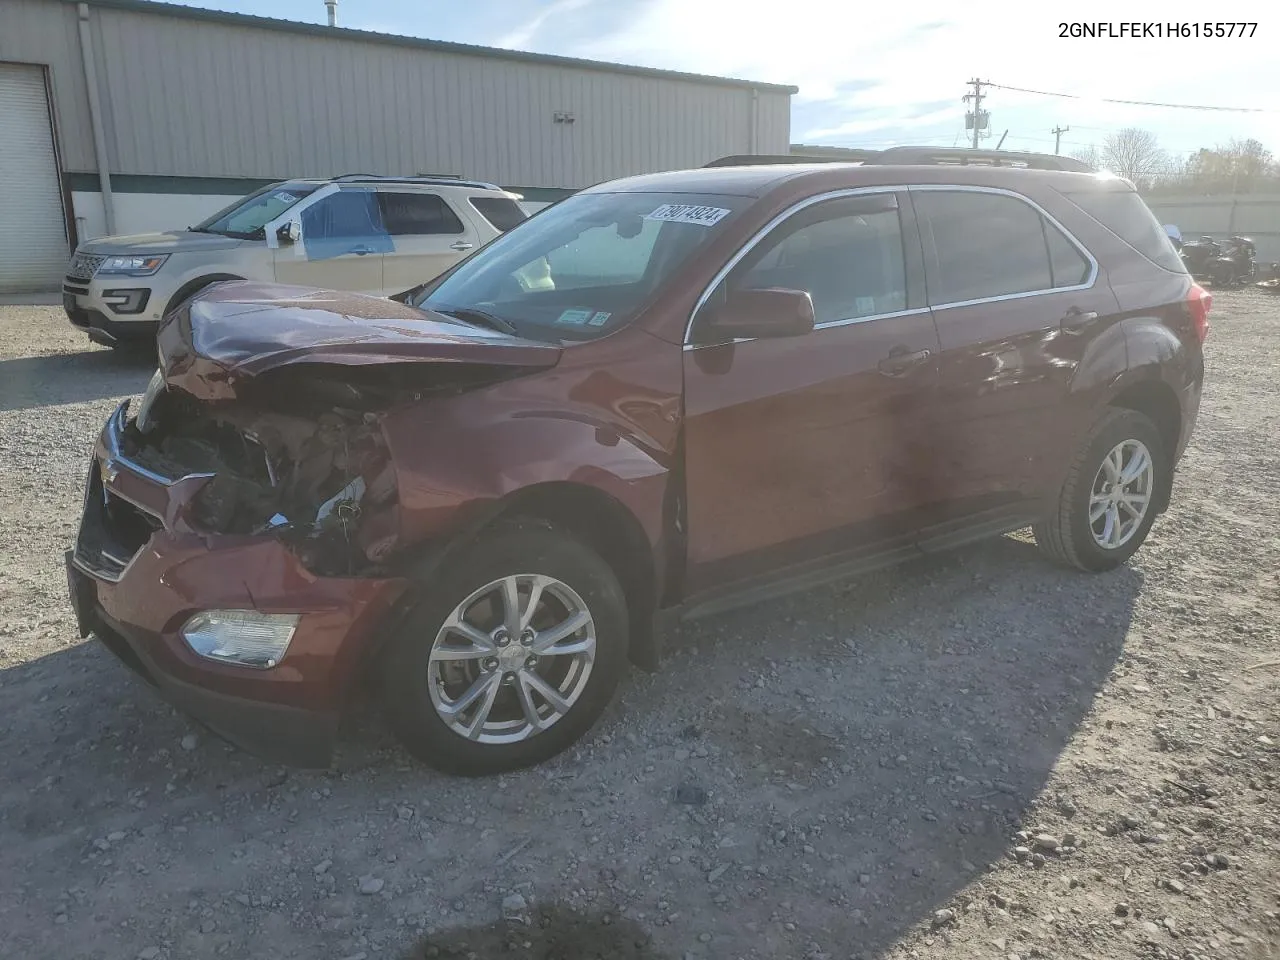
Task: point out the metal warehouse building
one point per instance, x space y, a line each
124 116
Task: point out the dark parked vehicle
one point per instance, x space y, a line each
660 398
1222 264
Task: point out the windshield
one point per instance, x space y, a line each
585 267
247 216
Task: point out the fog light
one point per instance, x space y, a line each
243 637
126 301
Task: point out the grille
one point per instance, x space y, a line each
84 266
112 530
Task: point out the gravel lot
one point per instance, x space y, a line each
975 756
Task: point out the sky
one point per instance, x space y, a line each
880 75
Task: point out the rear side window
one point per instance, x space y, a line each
1124 214
503 212
981 245
1067 263
417 213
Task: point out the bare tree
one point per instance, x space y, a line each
1241 166
1089 156
1135 155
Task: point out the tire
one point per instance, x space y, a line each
1067 535
417 690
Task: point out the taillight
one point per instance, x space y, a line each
1200 301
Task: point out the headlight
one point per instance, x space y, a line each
154 389
242 637
132 266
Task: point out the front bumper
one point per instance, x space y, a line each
138 573
114 309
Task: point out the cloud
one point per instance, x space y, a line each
523 35
892 71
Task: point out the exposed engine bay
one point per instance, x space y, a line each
299 454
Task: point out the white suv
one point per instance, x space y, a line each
376 235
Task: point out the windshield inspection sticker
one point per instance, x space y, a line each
575 317
599 319
688 213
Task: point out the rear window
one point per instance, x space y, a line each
1124 214
503 212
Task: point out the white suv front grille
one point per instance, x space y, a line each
84 266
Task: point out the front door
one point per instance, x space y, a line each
427 238
801 447
342 243
1014 313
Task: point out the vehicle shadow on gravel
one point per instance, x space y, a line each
813 776
30 382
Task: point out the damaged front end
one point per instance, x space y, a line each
266 416
301 457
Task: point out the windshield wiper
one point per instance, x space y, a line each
478 316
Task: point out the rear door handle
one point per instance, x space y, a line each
900 362
1075 317
461 245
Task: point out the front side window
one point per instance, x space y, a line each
345 222
406 214
845 253
246 217
587 265
981 245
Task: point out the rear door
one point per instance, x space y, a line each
427 235
1015 299
342 243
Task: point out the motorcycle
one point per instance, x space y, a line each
1222 264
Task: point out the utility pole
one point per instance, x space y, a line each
1057 138
977 97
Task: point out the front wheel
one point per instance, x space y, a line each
511 654
1108 502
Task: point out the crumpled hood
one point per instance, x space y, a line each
151 244
241 329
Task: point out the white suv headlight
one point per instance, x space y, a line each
242 637
132 266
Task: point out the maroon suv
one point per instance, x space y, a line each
660 397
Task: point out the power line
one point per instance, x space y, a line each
1135 103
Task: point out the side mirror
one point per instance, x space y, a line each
771 312
288 233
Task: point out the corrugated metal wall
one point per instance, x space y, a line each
40 31
191 98
1256 216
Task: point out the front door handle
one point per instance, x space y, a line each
461 245
1075 317
900 361
360 251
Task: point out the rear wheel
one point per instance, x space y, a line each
510 656
1108 503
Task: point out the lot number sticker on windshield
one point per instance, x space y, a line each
688 213
575 317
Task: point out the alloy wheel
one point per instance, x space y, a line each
512 659
1121 494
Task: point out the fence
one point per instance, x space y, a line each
1255 215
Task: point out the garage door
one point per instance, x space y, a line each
33 239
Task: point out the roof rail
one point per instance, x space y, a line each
751 160
447 180
989 158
